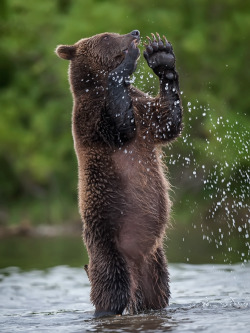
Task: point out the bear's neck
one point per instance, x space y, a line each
85 80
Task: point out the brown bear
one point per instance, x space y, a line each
118 135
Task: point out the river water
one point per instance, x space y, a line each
205 298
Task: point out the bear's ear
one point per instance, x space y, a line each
66 51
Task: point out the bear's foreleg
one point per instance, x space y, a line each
119 108
167 120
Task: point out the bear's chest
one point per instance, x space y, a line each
136 164
141 176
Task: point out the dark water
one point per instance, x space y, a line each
184 245
43 288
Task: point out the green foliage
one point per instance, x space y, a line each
38 178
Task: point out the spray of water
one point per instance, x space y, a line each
212 162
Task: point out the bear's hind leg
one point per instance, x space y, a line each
110 283
153 293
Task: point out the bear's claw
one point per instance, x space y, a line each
160 56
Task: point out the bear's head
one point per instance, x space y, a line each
99 53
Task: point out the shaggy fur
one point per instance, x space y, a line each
118 133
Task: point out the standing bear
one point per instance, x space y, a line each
118 135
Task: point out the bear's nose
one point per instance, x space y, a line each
135 33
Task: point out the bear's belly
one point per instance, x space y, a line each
146 193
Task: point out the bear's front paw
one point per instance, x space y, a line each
160 57
130 61
133 52
128 65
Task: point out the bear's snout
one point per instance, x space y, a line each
135 33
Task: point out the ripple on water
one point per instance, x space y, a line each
205 298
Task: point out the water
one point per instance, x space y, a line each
205 298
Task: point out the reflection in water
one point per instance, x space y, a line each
151 322
209 298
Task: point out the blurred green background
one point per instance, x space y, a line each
208 166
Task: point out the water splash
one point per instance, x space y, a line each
211 160
214 159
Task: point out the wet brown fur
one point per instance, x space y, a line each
123 194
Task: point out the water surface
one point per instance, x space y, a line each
205 298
